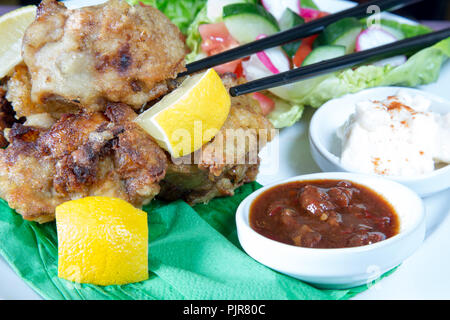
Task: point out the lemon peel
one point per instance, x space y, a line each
102 241
12 29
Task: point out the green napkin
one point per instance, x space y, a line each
194 254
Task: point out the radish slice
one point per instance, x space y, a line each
274 59
267 105
277 7
309 14
267 63
374 37
264 58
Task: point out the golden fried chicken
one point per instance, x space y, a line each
228 161
85 154
19 95
111 52
7 117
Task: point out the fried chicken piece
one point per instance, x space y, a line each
7 117
19 95
110 52
228 161
85 154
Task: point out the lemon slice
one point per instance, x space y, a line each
184 120
102 241
12 28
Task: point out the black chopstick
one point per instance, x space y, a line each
390 50
299 32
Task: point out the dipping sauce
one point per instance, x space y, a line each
323 214
398 136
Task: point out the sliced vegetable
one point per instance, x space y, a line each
309 14
273 59
277 7
408 30
264 58
214 8
246 21
288 20
259 66
303 51
375 37
217 39
397 33
267 104
342 32
310 4
309 11
324 53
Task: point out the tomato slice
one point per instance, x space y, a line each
310 40
303 51
217 39
267 104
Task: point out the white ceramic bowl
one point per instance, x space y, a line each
347 267
326 146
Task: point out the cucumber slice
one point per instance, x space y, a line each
288 20
323 53
395 32
214 8
342 33
246 21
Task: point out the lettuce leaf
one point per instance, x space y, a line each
308 4
194 39
180 12
285 114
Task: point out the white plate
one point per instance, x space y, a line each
422 276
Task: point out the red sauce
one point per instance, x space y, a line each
323 214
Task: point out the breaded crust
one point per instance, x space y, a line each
110 52
85 154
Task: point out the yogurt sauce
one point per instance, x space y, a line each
399 136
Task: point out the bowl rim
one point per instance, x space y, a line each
315 141
243 212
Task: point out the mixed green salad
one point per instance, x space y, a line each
213 26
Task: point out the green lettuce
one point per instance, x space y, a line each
194 39
309 4
180 12
285 114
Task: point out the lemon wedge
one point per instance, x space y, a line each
12 28
187 118
102 241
